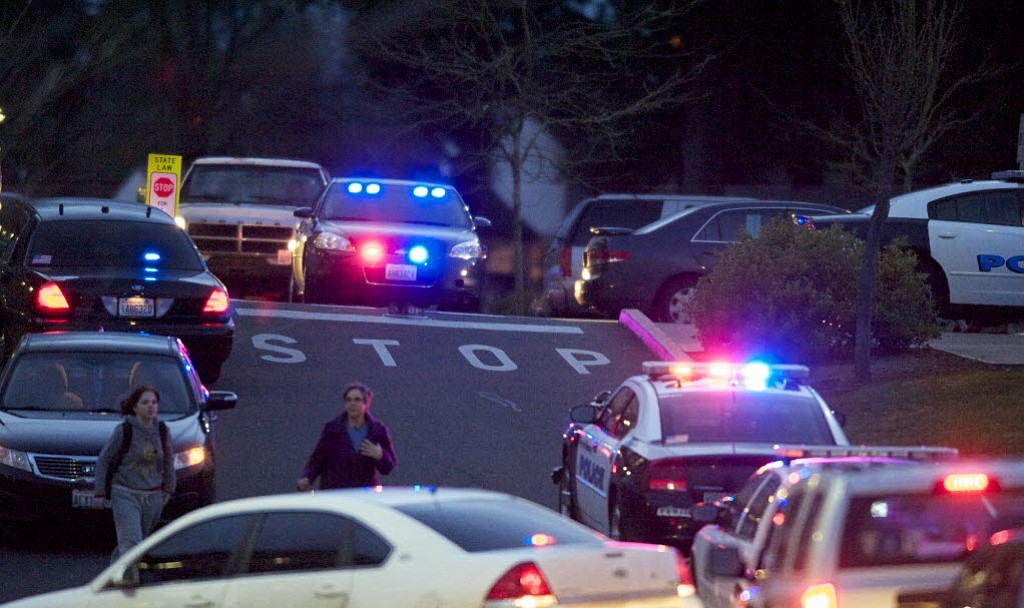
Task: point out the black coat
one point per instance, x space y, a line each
339 465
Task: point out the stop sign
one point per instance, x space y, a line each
163 187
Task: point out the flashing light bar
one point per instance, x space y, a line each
755 373
370 188
873 451
965 482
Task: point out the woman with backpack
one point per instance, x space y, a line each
135 470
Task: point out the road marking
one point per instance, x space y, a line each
418 322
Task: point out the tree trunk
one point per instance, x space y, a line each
518 262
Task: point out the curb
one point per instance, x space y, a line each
650 334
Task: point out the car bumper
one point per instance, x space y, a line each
344 278
25 496
602 293
660 518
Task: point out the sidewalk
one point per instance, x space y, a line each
671 342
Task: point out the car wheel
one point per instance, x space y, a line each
938 286
672 300
615 521
566 498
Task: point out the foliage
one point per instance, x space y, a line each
791 293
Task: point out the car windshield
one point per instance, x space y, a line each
256 184
113 244
395 203
743 416
488 525
88 381
901 529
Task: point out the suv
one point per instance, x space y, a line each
389 241
968 236
564 258
239 212
637 460
88 264
877 538
59 400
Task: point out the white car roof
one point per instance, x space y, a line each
240 160
1007 473
915 204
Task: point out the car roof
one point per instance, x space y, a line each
245 160
96 208
1008 473
754 203
98 341
697 198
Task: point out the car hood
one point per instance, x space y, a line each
240 213
76 596
75 433
385 229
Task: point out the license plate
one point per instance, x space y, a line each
673 512
135 306
284 257
710 497
81 499
400 272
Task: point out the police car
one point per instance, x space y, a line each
876 538
636 460
968 235
743 523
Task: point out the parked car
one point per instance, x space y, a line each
86 264
655 268
239 212
993 576
564 258
968 237
389 241
635 461
419 546
59 399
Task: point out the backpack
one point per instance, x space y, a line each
126 443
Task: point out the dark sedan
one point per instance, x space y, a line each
389 242
655 268
59 399
87 264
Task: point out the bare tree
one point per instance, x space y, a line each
513 71
898 58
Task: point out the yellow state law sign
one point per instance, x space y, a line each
164 173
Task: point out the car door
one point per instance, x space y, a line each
978 239
189 568
595 454
297 559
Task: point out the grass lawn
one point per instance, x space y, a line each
932 398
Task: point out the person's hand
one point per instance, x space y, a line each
303 485
371 449
99 502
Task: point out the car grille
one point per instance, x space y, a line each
239 238
65 467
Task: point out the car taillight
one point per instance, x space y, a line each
524 584
217 302
597 256
965 482
50 298
666 476
565 261
819 596
685 588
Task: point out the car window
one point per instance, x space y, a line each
611 415
298 540
199 552
616 213
252 184
756 508
743 498
784 526
103 243
997 207
743 416
93 381
395 203
731 225
13 219
488 525
900 529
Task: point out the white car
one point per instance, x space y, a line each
745 521
377 547
968 236
888 537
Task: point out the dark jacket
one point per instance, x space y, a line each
339 465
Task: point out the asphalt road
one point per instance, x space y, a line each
471 400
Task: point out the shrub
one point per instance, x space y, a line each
790 294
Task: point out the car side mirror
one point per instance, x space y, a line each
725 561
601 397
220 400
584 414
128 578
481 222
840 418
305 213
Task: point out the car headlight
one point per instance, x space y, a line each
189 458
181 222
15 458
332 242
467 250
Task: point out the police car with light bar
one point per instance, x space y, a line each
968 236
389 242
893 536
636 461
743 523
